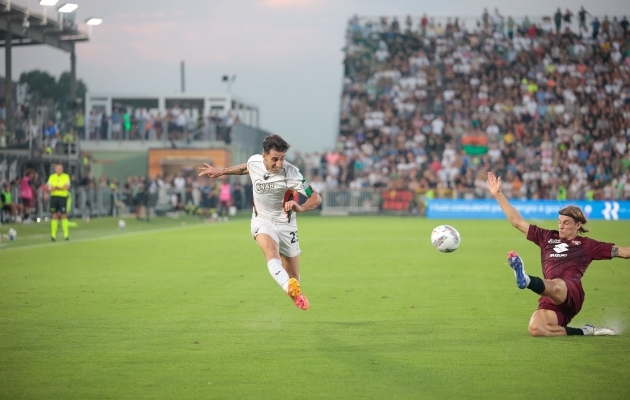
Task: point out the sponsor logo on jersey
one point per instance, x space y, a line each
263 187
560 249
553 241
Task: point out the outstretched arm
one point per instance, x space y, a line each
517 221
214 172
621 252
310 204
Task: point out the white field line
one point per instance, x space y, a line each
110 236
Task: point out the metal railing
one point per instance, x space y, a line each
160 130
101 202
97 202
469 22
351 201
375 201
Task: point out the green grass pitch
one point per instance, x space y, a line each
163 310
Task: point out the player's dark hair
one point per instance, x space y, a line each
576 214
275 142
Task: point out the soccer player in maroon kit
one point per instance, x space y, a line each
565 256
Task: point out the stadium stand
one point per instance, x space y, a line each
429 106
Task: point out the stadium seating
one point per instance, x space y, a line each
547 111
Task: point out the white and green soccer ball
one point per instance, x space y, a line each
445 238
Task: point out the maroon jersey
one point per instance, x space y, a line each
567 259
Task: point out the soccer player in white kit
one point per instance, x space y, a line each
274 226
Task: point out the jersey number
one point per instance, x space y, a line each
294 237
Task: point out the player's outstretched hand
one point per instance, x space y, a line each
494 184
293 206
210 171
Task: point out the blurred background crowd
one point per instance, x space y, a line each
429 105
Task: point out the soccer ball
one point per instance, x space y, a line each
12 234
121 224
445 238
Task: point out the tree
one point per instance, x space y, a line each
41 86
62 97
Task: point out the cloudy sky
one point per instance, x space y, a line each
287 54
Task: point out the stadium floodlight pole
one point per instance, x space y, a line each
229 79
92 21
65 9
46 4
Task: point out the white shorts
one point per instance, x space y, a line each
285 234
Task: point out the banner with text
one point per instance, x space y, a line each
536 209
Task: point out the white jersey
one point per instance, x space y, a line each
272 190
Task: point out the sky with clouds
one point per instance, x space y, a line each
287 54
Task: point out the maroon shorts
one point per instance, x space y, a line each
28 203
571 306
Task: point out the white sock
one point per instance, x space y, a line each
278 273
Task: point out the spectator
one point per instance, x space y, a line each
582 17
206 203
568 15
557 18
179 184
606 27
28 193
188 190
596 25
79 123
510 26
225 198
140 200
7 204
51 135
116 125
95 122
238 196
104 127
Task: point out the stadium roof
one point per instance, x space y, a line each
30 28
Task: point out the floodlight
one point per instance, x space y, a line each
94 21
67 8
46 4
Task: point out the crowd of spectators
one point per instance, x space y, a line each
143 196
54 135
176 193
128 123
548 109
